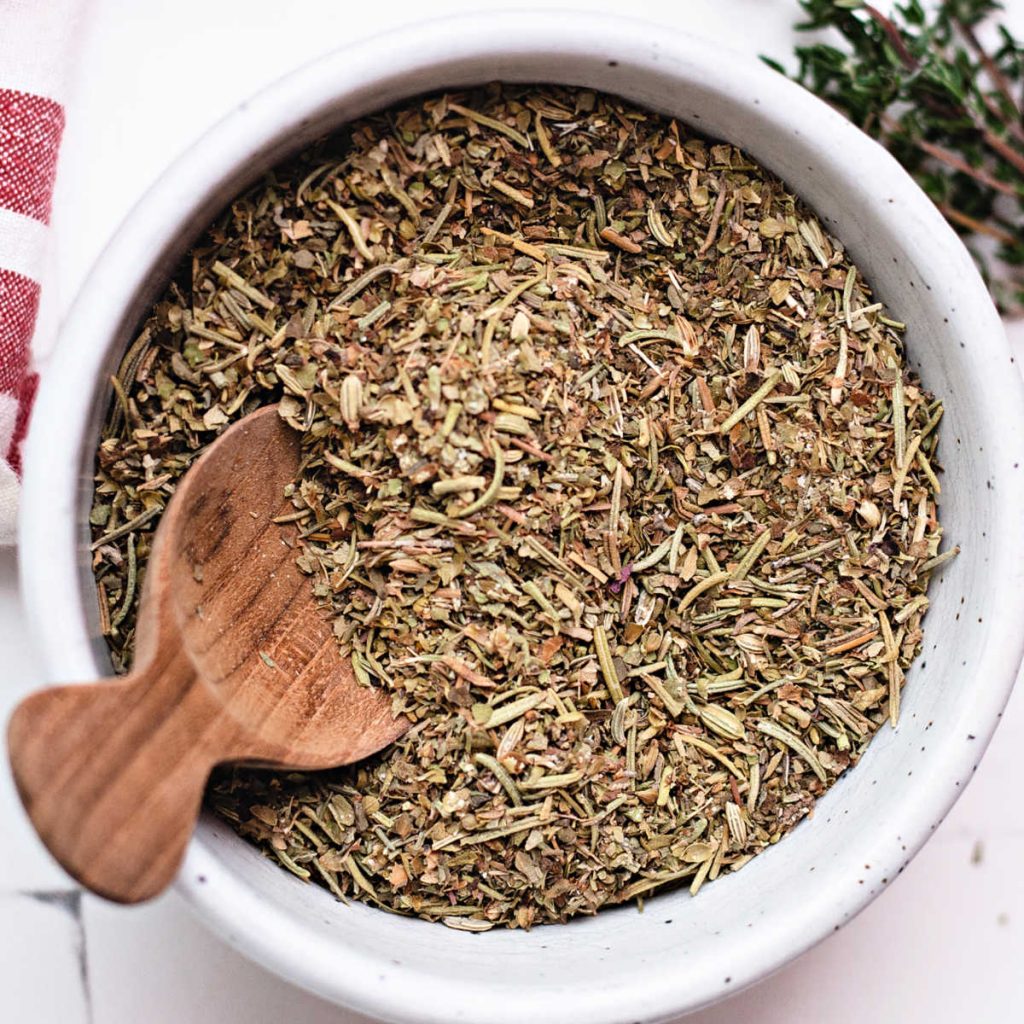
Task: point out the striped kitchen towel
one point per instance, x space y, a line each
35 39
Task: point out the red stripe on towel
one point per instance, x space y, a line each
19 301
26 394
30 131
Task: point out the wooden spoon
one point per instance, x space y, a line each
234 661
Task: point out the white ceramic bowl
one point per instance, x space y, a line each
680 952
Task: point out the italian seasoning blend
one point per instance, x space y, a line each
615 479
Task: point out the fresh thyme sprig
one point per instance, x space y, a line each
922 82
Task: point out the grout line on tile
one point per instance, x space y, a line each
70 901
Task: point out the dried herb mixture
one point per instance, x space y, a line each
615 479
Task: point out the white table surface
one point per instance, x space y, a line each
944 943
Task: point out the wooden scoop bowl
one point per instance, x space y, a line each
234 661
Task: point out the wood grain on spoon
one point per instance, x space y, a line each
234 661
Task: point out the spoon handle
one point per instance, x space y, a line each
112 773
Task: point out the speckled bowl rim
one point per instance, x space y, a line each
372 74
